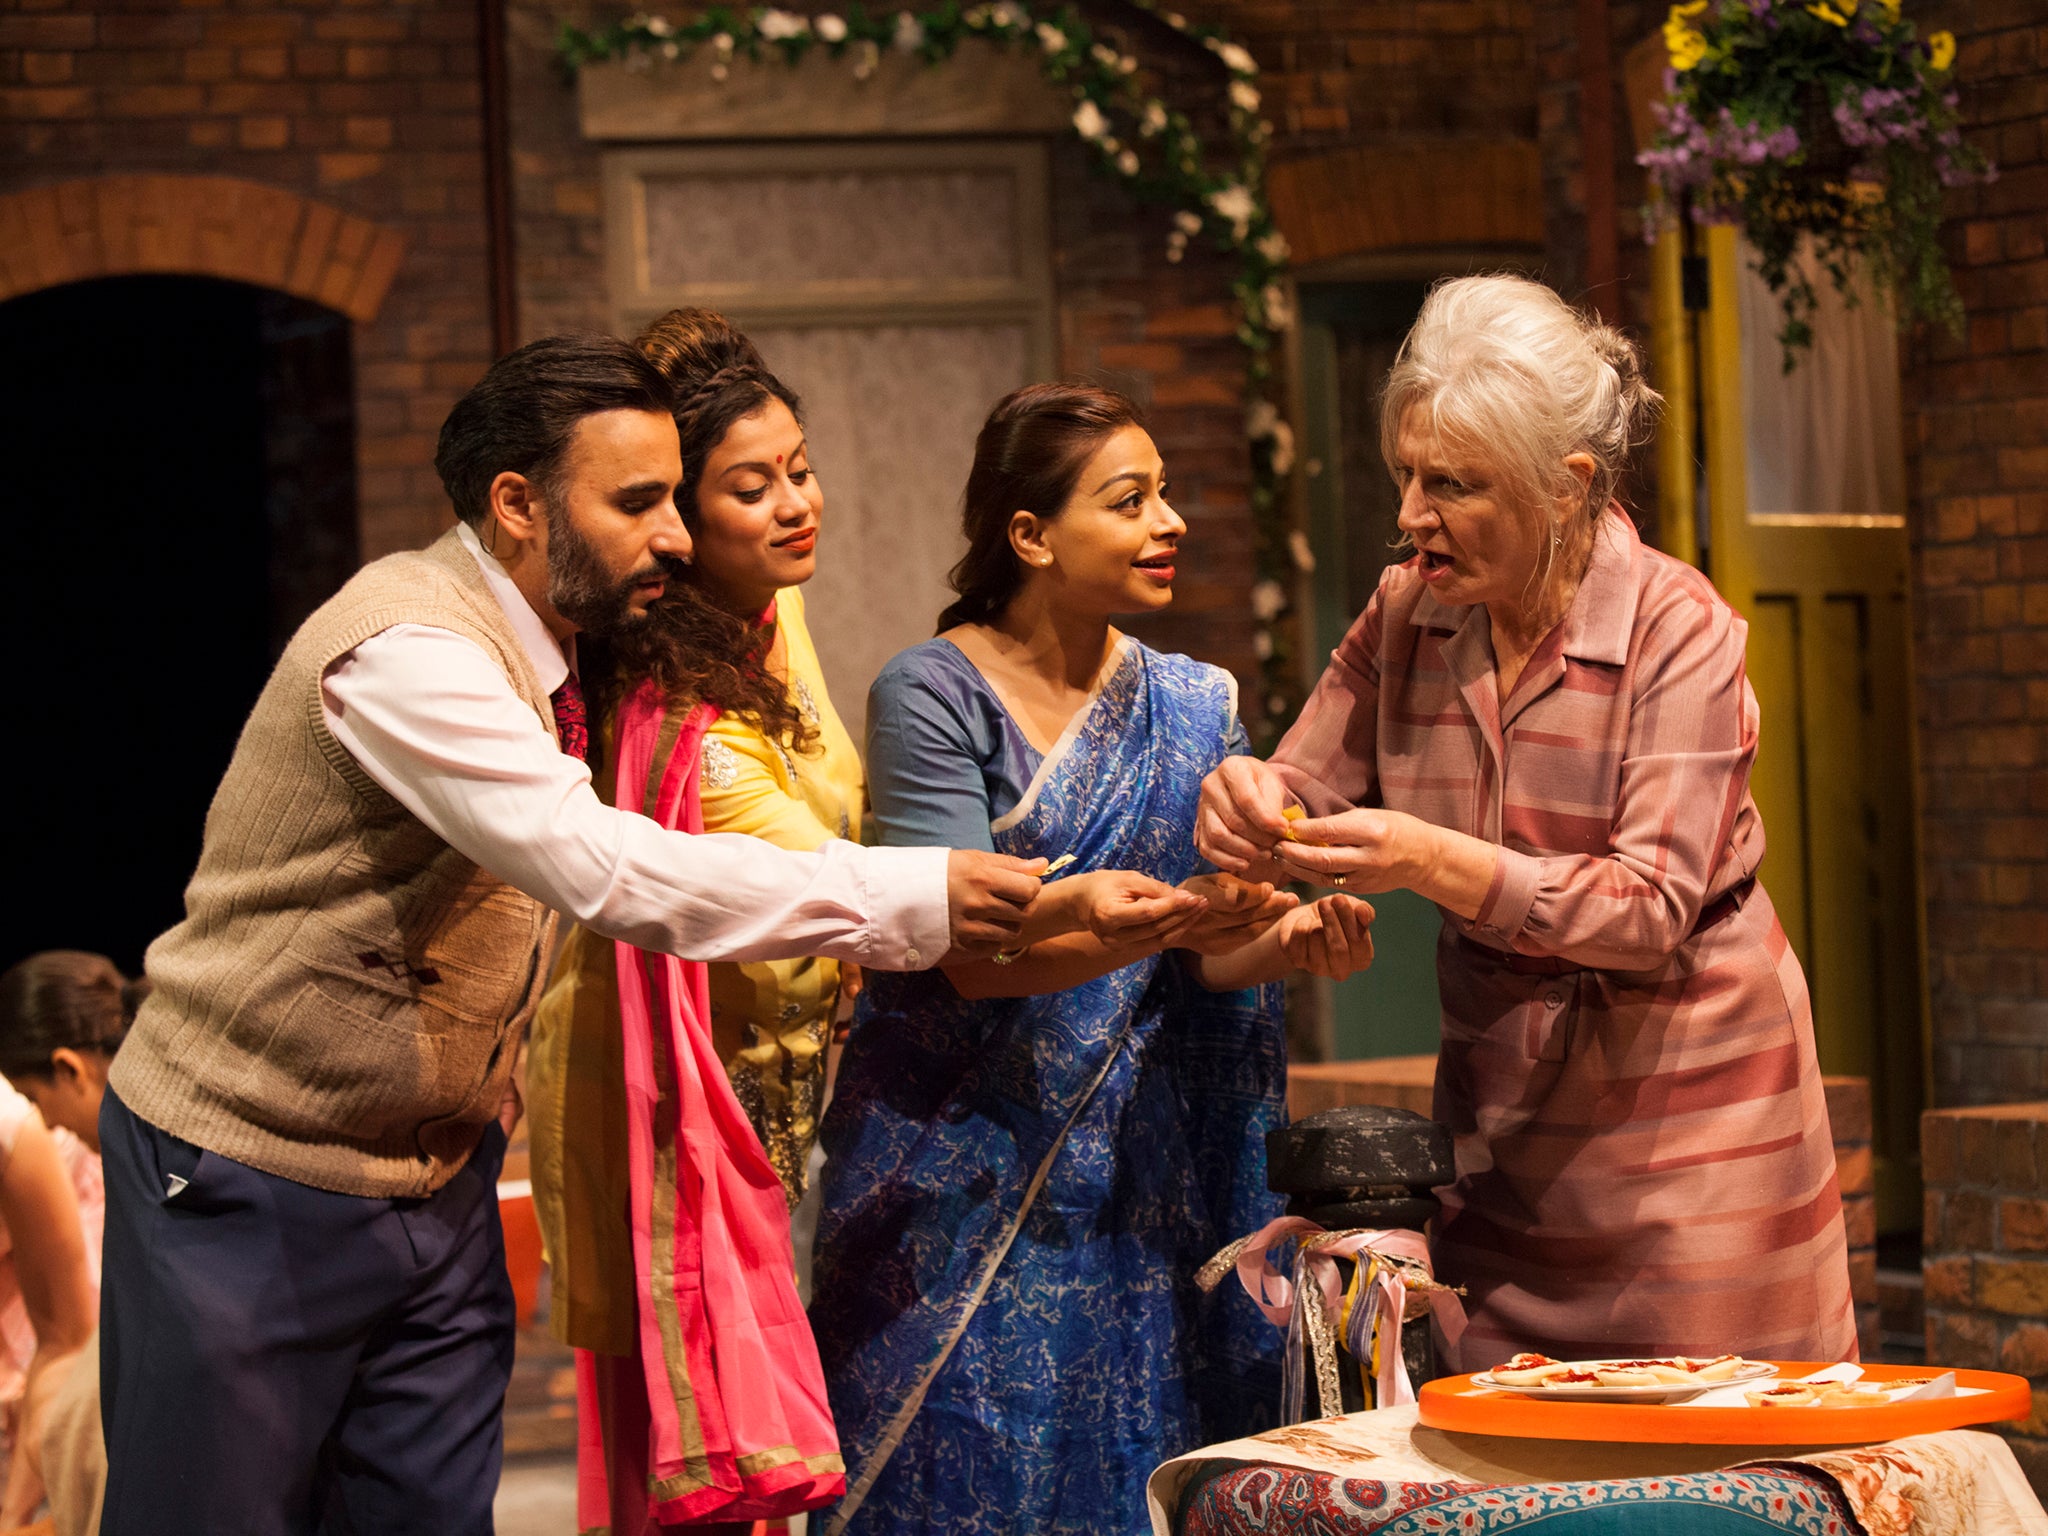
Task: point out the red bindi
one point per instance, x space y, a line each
778 458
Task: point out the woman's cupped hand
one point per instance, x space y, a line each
1331 937
1238 912
1123 907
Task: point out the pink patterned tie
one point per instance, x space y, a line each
572 719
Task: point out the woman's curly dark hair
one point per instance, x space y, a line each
694 649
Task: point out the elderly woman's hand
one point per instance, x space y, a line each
1240 820
1365 850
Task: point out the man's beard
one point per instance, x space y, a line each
582 590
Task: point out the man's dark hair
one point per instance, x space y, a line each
521 414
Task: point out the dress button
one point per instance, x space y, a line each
913 958
1553 999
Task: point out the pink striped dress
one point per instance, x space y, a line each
1628 1064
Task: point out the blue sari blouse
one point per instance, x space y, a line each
1018 1191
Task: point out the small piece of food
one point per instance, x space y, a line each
1626 1378
1720 1368
1297 813
1852 1397
1057 865
1787 1394
1571 1378
1673 1371
1526 1370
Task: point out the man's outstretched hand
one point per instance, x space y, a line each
986 894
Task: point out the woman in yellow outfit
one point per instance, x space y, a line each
777 764
771 1020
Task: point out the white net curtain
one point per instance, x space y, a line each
1823 440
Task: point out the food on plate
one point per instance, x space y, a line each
1852 1397
1719 1368
1672 1372
1786 1394
1533 1370
1526 1370
1627 1376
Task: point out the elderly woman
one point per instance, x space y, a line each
1545 728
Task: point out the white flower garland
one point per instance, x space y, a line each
1139 138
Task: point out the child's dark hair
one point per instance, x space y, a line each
63 999
1028 457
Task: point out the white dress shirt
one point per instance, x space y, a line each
436 722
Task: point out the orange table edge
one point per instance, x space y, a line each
1445 1404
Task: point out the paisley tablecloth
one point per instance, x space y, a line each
1241 1500
1384 1474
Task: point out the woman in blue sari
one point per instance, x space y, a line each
1027 1159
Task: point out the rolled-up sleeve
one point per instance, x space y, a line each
1692 734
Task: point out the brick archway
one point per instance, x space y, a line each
1478 193
206 226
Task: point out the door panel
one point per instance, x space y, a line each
1798 517
1350 333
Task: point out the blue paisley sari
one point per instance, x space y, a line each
1018 1191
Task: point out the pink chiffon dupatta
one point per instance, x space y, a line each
736 1424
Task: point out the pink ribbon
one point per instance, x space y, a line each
1316 1253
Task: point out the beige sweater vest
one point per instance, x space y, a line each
344 1000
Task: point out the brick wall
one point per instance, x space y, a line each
1559 109
1986 1263
1565 245
371 110
1338 73
1977 437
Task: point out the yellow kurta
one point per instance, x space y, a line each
770 1020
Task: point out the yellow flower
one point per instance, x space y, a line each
1891 8
1827 12
1941 51
1684 43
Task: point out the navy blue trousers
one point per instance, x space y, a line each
277 1359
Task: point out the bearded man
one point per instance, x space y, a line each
307 1323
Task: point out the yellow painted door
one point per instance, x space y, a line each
1824 588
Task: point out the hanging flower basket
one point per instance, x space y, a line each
1830 127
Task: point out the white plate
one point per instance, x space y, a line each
1593 1392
